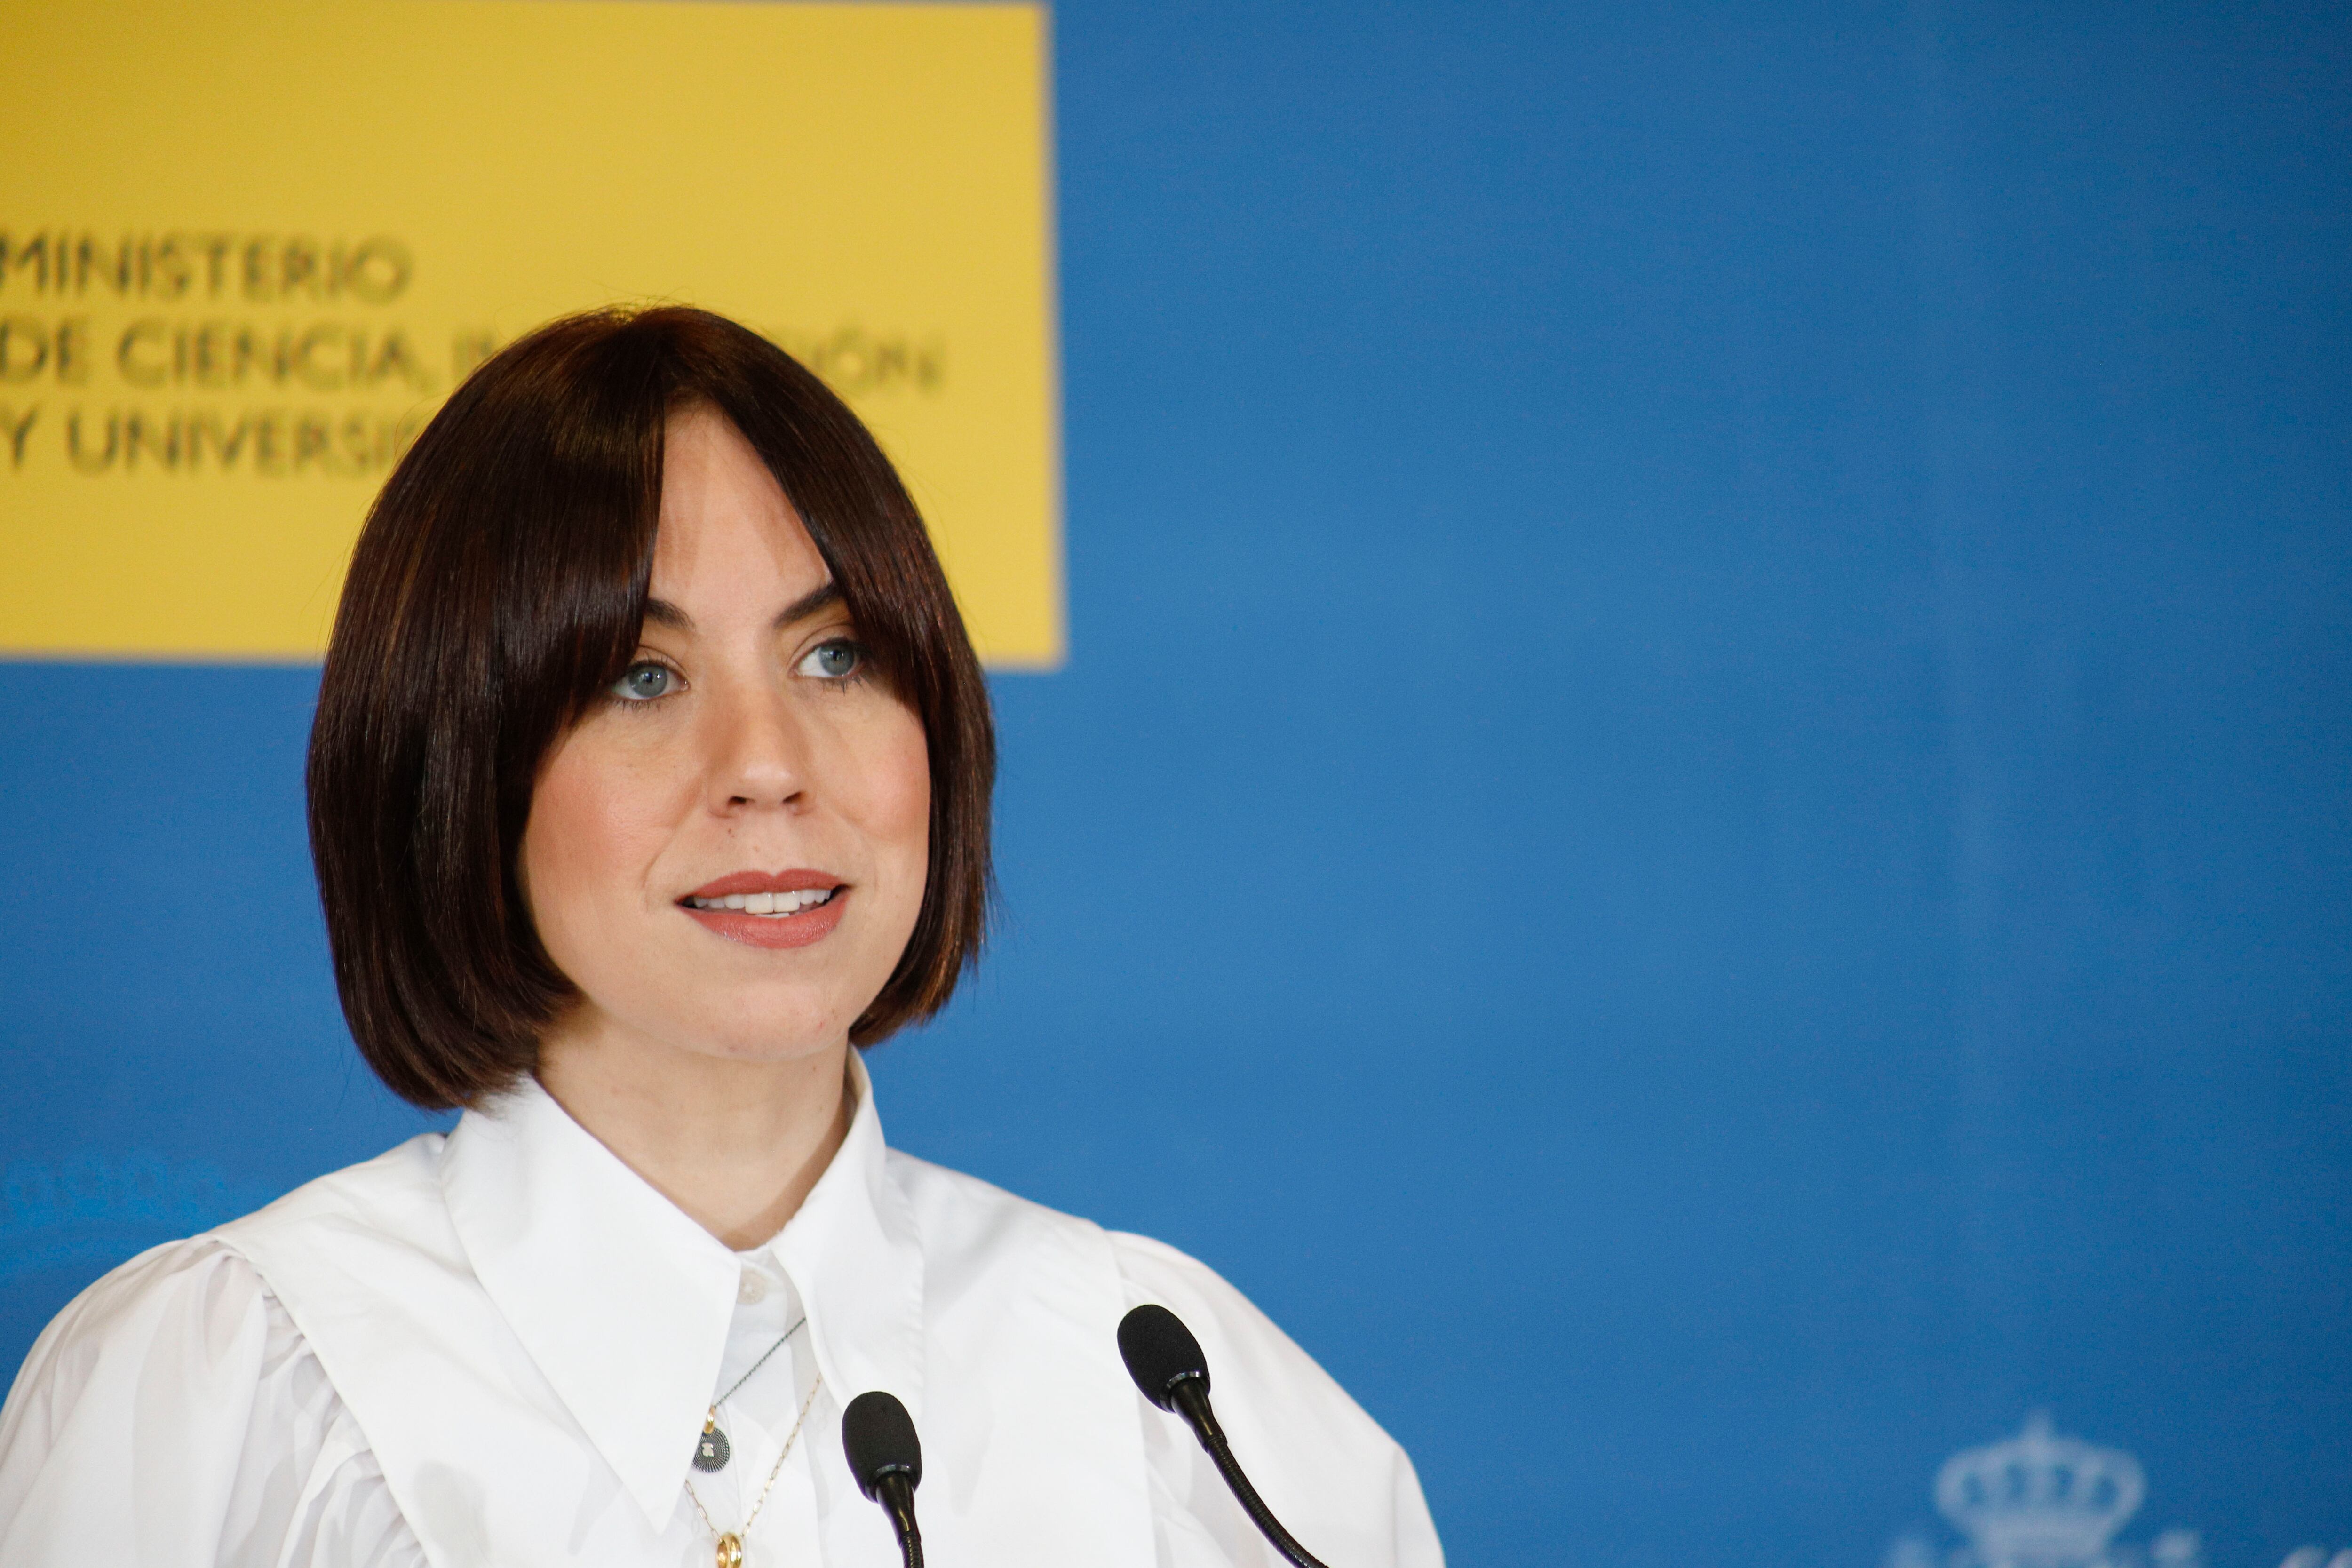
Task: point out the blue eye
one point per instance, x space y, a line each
644 681
834 660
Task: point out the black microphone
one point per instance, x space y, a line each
1166 1362
886 1457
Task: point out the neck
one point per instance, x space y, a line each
735 1144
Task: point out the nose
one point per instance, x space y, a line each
757 752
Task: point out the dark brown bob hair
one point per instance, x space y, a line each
499 587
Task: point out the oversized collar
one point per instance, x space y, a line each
623 1301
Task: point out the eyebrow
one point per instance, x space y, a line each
662 612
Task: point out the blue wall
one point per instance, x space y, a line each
1699 818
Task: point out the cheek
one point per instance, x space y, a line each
898 794
593 822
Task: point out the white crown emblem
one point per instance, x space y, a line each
2040 1500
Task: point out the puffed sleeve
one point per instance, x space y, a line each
1338 1483
172 1416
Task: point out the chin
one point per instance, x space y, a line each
771 1032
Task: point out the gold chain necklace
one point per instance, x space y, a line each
731 1542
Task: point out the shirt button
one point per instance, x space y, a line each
753 1287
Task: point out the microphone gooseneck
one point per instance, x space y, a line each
886 1457
1167 1364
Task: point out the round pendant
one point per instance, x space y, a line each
710 1451
731 1551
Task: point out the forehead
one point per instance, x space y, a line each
726 532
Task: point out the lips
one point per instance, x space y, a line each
769 909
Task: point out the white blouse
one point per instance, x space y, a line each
501 1348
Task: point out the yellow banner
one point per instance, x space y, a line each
248 245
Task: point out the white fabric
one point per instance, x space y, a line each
499 1349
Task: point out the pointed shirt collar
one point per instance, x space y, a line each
624 1302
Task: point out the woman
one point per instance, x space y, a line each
650 779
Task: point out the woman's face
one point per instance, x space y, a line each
726 855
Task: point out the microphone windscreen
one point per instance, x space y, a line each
879 1435
1161 1352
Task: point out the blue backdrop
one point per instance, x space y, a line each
1698 821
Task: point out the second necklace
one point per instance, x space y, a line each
729 1553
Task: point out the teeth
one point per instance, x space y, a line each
770 904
